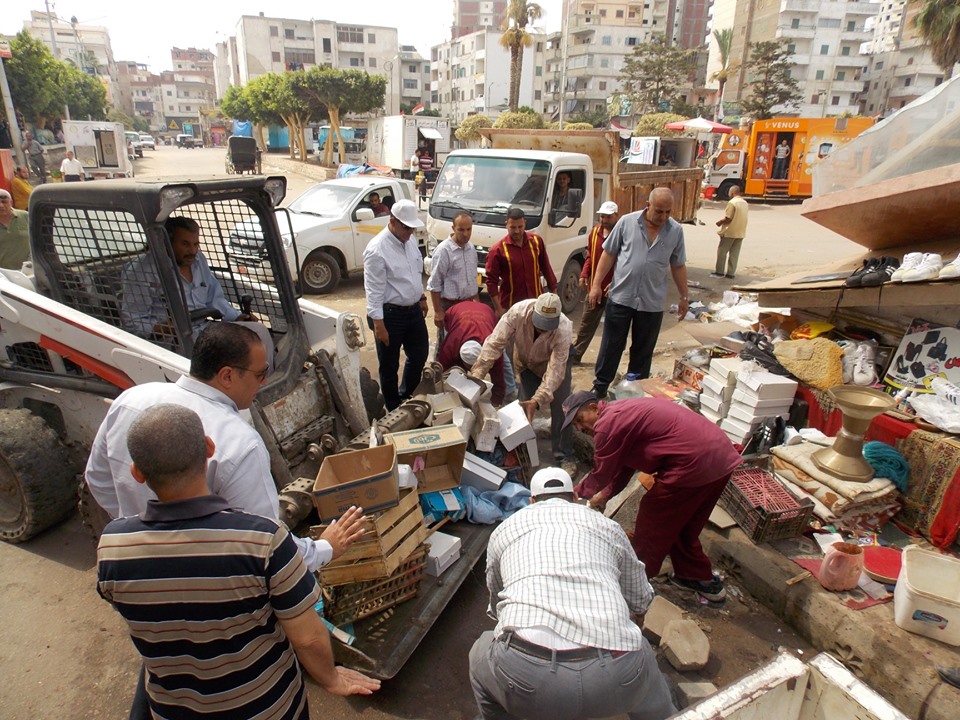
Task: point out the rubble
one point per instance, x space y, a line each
684 645
660 613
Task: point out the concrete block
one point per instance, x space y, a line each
694 692
660 612
684 645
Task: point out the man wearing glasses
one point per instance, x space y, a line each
227 368
396 304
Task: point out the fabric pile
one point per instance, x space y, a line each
850 506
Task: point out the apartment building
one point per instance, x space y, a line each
470 16
139 94
414 79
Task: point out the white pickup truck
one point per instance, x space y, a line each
326 229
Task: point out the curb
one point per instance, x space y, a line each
895 663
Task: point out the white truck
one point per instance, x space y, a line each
521 170
392 140
100 146
325 230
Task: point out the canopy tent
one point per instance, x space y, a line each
699 125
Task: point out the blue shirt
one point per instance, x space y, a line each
640 274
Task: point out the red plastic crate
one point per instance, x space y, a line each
762 507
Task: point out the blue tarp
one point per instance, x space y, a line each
243 128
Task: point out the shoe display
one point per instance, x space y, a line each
913 350
938 351
951 270
909 262
902 367
918 369
712 591
864 367
869 265
927 269
849 359
880 274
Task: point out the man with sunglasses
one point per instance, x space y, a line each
227 368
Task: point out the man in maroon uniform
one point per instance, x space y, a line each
515 265
608 213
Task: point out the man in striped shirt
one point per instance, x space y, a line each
566 590
515 265
219 603
608 213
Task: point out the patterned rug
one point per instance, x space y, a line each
931 505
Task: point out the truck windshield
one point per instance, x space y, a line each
325 200
488 186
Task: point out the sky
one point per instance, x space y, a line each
144 33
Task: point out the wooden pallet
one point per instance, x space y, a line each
391 537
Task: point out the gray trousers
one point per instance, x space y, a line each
510 684
589 322
561 441
728 253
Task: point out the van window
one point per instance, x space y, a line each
569 186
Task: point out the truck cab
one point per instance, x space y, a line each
487 183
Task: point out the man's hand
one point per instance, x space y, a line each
598 501
720 223
583 284
438 317
593 299
682 308
351 682
248 317
380 332
424 308
342 533
530 408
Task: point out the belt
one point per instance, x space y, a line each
394 308
544 653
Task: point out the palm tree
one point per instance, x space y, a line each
939 23
515 36
724 40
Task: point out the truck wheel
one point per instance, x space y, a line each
37 479
723 192
568 285
320 273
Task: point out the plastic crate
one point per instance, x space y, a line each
762 507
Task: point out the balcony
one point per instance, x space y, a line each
851 86
787 32
911 92
859 36
860 8
801 6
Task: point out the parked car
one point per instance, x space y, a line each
134 142
147 141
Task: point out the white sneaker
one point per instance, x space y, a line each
951 270
849 359
864 368
946 390
926 269
910 261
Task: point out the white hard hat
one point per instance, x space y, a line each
608 208
550 481
470 352
406 212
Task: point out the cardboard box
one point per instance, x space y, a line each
767 386
725 369
480 474
752 416
443 406
514 426
464 419
533 452
435 454
367 478
486 429
713 417
748 398
662 387
444 552
736 430
716 405
718 388
467 388
689 374
446 503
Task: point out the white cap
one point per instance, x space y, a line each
470 352
550 481
546 312
406 212
608 208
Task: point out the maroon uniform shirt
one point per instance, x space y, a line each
513 271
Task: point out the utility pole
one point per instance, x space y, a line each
563 63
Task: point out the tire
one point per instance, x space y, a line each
320 273
37 478
723 192
229 167
568 285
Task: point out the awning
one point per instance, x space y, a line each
430 133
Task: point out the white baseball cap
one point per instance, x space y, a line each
470 352
546 312
550 481
406 212
608 208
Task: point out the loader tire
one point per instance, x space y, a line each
37 478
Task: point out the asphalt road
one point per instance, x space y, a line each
65 653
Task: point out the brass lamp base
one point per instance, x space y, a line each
859 405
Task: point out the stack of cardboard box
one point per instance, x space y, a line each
717 387
757 397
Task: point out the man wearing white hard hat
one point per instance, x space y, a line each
608 214
541 335
467 324
396 304
566 590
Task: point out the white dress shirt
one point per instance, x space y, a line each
71 167
239 470
392 273
454 272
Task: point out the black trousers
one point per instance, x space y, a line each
618 320
407 329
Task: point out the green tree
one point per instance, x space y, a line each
772 85
84 94
939 23
257 94
593 118
519 120
724 40
33 79
469 130
129 123
654 125
652 74
520 13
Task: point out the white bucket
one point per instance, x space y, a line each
926 600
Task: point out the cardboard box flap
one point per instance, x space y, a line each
366 478
435 454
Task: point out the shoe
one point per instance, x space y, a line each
918 369
856 279
729 277
881 274
946 390
927 269
909 262
902 367
864 367
951 270
849 359
712 591
716 275
939 351
913 351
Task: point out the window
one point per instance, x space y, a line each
274 31
841 75
835 100
372 38
275 57
372 62
791 48
539 71
170 92
630 41
606 40
537 94
326 45
937 81
845 51
795 23
349 34
412 68
603 13
875 85
909 61
879 65
299 57
851 26
604 62
819 74
288 33
907 82
619 13
828 22
603 85
354 62
815 100
188 108
409 84
824 49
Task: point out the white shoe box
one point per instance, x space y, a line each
514 426
725 369
486 428
717 387
737 430
710 415
444 552
767 386
480 474
533 453
715 404
751 416
773 407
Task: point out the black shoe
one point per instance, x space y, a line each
712 591
881 274
902 367
869 265
601 393
717 275
913 351
729 277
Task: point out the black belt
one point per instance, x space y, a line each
544 653
397 308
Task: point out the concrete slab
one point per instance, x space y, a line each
685 646
693 692
659 614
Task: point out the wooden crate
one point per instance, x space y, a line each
391 536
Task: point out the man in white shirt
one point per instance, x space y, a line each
396 304
567 592
71 169
228 366
453 277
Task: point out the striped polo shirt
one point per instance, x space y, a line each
202 588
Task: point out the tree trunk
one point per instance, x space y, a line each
716 110
334 113
516 61
340 149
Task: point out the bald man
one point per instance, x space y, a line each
642 249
